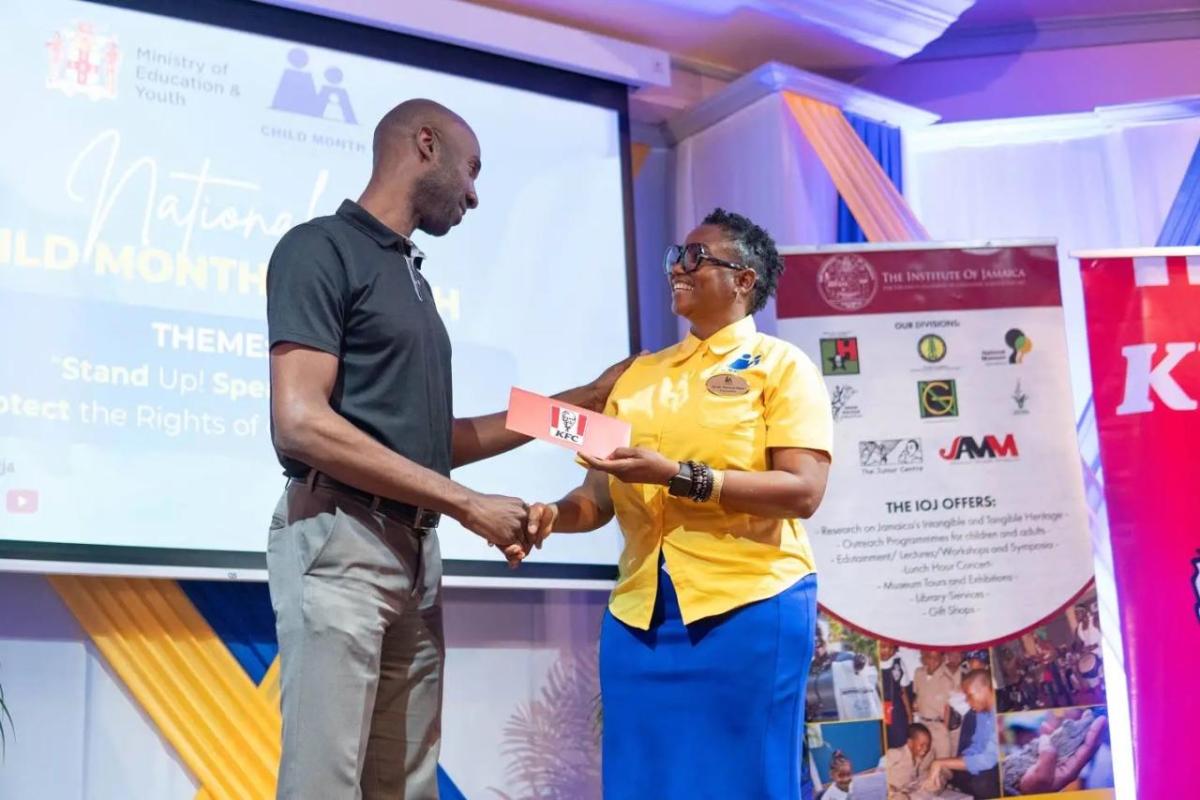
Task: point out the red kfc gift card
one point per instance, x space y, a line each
566 425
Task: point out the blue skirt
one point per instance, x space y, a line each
711 710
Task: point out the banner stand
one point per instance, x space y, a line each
954 543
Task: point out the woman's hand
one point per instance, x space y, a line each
542 517
635 465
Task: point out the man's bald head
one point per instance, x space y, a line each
398 129
426 160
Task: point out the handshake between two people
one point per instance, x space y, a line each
518 528
511 524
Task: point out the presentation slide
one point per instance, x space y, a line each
149 167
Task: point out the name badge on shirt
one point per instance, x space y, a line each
727 385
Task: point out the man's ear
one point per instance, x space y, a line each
427 143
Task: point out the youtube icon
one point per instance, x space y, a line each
21 501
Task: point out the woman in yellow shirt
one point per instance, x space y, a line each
707 640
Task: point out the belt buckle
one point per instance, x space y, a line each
426 519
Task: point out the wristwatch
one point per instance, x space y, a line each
681 484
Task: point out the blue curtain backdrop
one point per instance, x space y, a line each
884 143
1182 227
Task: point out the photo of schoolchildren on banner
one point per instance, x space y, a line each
958 650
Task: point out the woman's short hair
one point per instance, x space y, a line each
757 250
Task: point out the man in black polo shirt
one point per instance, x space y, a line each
362 421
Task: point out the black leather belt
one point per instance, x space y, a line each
420 519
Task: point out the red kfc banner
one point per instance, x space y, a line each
1143 319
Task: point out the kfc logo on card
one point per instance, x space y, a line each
21 501
528 413
567 424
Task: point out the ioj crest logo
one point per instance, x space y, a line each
83 61
567 424
298 92
847 282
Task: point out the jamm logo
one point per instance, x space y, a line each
1142 375
966 447
567 424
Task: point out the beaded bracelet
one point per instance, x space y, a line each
702 482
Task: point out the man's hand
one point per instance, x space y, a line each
501 521
541 522
635 465
599 389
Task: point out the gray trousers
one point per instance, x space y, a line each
361 649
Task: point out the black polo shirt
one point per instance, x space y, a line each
351 286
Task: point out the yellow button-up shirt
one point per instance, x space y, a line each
766 393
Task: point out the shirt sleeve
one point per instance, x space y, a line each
797 407
306 290
982 754
893 765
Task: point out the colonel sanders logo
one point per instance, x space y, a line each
567 425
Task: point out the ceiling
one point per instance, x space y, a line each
1010 12
840 37
728 35
863 42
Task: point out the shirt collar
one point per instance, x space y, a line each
722 342
384 236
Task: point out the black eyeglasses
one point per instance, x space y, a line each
691 256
